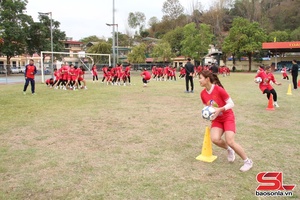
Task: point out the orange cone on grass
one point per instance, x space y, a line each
206 154
271 103
289 92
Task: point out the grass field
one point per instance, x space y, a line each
116 142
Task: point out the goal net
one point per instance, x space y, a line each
77 59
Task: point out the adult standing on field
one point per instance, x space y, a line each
189 75
30 71
294 72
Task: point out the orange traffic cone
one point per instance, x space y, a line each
289 92
299 83
270 104
206 154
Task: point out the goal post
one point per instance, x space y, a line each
80 58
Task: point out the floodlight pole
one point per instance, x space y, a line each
117 47
113 38
51 38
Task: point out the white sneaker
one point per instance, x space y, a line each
247 165
276 104
231 155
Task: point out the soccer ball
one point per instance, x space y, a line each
258 80
208 112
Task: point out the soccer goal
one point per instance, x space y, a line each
77 59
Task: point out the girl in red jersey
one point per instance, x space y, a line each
127 73
95 73
284 74
146 76
182 72
265 86
104 70
81 71
49 82
224 121
57 76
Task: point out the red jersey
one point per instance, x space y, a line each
49 81
94 70
146 75
57 74
127 71
30 71
266 79
283 71
217 98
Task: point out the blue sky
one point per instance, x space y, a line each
84 18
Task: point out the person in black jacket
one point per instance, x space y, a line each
189 75
214 69
294 72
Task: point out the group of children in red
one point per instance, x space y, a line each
116 75
163 73
224 70
68 77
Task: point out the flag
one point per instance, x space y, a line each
274 39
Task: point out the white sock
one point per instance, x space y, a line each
246 160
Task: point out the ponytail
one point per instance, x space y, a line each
214 79
217 80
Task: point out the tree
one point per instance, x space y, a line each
172 9
162 52
153 22
174 38
278 36
101 47
248 9
13 24
244 38
92 38
196 41
39 36
295 34
136 19
137 55
284 14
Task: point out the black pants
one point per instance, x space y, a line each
95 77
32 84
187 80
269 92
295 81
145 81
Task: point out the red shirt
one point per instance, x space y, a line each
94 71
72 71
30 71
217 98
127 71
266 79
146 75
49 81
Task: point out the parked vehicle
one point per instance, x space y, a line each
15 70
